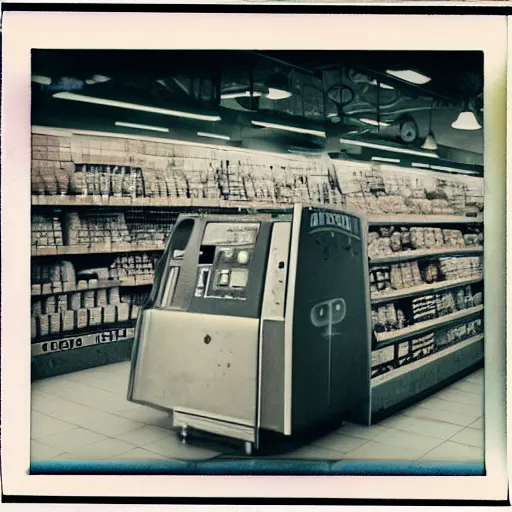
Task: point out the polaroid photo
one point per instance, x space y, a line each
253 256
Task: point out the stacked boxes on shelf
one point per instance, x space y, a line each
385 241
46 231
134 269
60 314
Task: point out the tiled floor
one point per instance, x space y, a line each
85 415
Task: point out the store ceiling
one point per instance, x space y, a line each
325 84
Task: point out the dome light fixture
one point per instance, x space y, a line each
466 121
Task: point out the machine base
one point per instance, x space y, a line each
223 427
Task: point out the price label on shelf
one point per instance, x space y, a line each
48 347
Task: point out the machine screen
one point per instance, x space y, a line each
224 233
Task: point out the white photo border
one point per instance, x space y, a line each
23 31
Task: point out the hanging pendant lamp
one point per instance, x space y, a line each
466 119
430 143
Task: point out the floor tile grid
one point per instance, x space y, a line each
335 449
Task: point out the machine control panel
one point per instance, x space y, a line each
225 259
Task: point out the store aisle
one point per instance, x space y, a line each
85 416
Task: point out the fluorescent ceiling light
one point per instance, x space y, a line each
409 76
134 106
213 135
373 122
277 94
383 159
421 166
382 86
289 128
387 148
240 94
452 169
466 121
142 126
43 80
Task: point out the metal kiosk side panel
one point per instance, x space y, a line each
331 347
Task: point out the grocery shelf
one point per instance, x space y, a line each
136 282
66 250
175 202
375 220
426 360
398 257
100 286
388 338
390 296
74 341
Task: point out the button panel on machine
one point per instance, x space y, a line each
227 274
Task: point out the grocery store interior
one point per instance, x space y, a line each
124 142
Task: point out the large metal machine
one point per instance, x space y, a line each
258 323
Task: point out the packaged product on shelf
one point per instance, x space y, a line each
401 319
375 322
82 318
471 239
75 301
68 320
406 271
33 327
88 299
113 295
62 303
468 299
382 360
43 327
460 299
396 278
82 284
46 288
418 238
403 350
109 314
373 245
422 346
416 274
430 238
134 312
382 319
101 297
478 299
405 241
92 284
384 246
396 242
123 312
438 236
95 316
36 308
391 317
50 305
424 308
35 289
55 323
430 273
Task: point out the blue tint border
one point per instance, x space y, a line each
258 467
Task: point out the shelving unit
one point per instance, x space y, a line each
194 180
409 361
413 291
427 253
419 328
